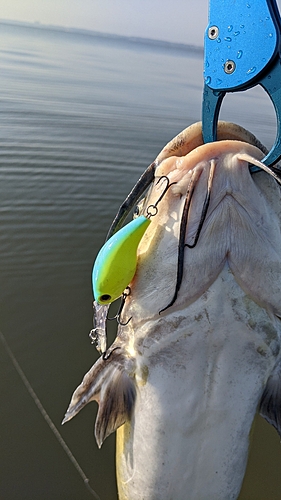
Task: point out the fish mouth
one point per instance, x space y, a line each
186 141
217 183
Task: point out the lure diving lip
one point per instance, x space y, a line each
116 263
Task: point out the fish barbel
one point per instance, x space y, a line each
184 378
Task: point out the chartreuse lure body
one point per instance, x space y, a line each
116 263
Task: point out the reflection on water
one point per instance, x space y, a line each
81 118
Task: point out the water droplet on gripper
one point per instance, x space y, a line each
270 35
236 33
230 28
248 6
242 26
207 64
208 80
218 40
218 81
239 54
251 70
228 39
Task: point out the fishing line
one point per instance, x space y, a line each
47 418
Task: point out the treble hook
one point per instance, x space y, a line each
150 213
125 294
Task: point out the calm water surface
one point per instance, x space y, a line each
81 118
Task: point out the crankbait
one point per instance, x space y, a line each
116 263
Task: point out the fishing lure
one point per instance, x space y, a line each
116 263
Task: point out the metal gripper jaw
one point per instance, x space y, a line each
241 50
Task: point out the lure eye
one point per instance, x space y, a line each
105 297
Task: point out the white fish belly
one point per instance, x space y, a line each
198 391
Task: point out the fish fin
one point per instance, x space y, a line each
270 404
111 384
116 405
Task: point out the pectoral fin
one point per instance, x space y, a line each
270 405
110 383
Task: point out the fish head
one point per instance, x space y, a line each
210 210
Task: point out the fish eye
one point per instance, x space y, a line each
105 297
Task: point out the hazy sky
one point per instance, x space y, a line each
173 20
